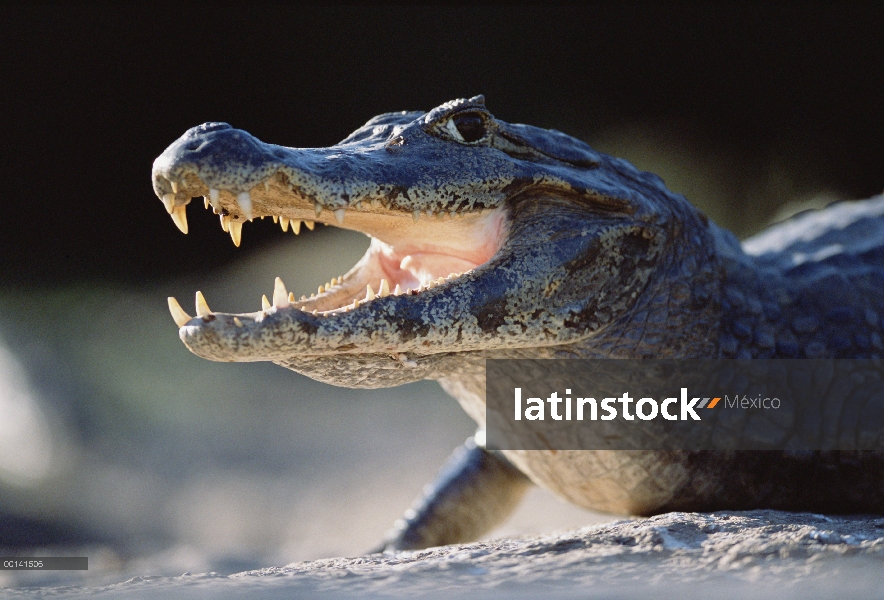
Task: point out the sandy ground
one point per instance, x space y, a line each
763 554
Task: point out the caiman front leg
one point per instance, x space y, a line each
475 491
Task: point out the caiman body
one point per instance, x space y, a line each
494 240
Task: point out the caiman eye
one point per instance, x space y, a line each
466 127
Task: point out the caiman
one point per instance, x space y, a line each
499 240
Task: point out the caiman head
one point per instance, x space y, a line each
487 238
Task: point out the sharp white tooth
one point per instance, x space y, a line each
179 216
181 318
416 214
206 202
296 226
174 187
291 297
317 207
356 304
280 294
266 186
440 280
169 201
304 308
321 289
358 205
237 322
225 223
310 225
397 291
375 203
315 311
275 219
369 293
284 223
213 198
244 201
303 298
202 308
235 232
339 216
265 303
384 290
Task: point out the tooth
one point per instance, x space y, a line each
303 298
369 293
384 290
213 198
291 297
321 289
265 303
375 203
244 200
181 318
416 214
339 216
358 205
314 312
225 223
237 322
202 308
275 219
317 207
174 187
296 226
169 201
280 294
310 225
356 304
267 186
179 216
440 280
235 232
284 223
206 202
397 291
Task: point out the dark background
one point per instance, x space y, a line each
90 95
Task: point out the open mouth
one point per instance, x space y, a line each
410 253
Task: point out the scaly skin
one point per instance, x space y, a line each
560 252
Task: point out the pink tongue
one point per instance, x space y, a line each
428 267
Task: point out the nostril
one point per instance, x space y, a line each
194 145
214 126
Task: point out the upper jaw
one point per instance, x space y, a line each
244 178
